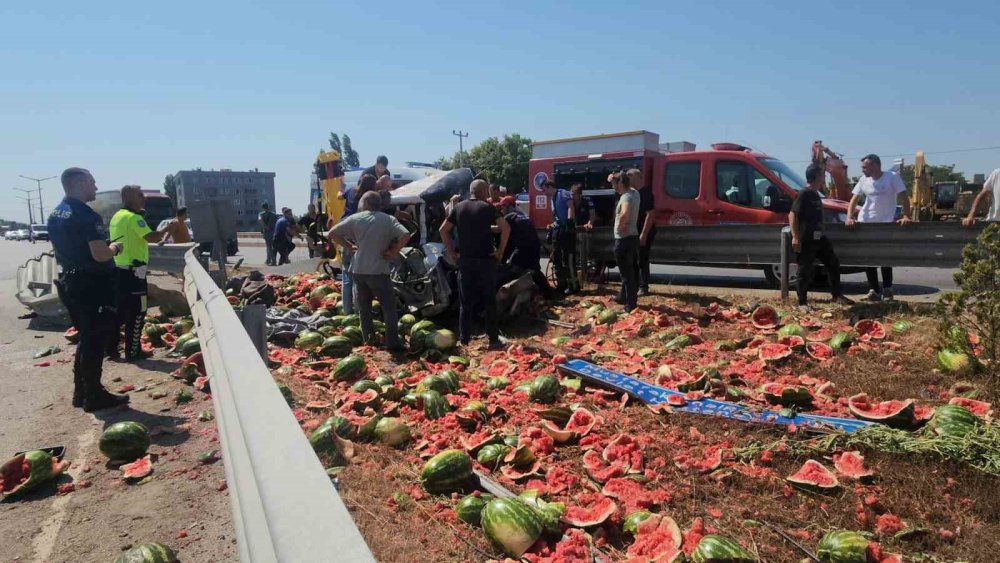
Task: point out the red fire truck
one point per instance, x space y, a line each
728 184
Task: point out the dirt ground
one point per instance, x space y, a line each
949 512
183 503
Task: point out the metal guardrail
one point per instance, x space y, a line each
745 245
284 505
168 257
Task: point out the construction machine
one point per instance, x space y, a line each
834 165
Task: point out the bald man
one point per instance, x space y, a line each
477 259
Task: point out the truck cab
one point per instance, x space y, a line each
728 184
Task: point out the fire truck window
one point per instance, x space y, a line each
739 184
682 180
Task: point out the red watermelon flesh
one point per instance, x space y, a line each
820 351
821 335
892 413
592 509
632 495
516 474
138 468
981 409
792 341
814 475
708 461
581 422
852 464
676 400
599 470
773 352
500 368
623 450
657 539
871 329
764 317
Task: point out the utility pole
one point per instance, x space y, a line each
461 136
38 183
31 218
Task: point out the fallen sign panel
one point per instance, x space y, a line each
654 395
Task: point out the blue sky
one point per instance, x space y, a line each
135 91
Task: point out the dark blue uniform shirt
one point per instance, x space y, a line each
72 226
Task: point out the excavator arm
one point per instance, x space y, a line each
835 166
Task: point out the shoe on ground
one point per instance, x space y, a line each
643 291
873 296
143 355
77 402
116 358
887 294
842 300
103 400
804 307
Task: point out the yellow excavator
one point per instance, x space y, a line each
329 170
936 201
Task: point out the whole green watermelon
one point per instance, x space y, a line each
349 368
447 472
511 525
308 340
470 508
953 421
190 347
843 546
714 547
392 432
336 347
125 441
148 553
544 389
406 322
183 326
352 320
182 340
435 406
353 334
424 325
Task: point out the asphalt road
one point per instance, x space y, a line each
916 284
16 253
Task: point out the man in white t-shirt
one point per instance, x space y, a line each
881 190
990 188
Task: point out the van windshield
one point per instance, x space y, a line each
784 173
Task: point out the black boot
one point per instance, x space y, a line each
97 397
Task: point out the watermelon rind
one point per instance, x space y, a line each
148 553
633 519
764 317
349 368
41 468
447 472
843 546
511 525
950 361
435 405
952 421
469 509
125 441
544 389
787 395
392 432
901 417
717 548
822 479
491 455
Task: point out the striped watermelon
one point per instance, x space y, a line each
435 406
953 421
125 441
348 368
28 470
470 508
447 472
843 546
720 549
511 524
148 553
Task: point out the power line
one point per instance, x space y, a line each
952 151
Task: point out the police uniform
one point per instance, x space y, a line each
130 229
87 289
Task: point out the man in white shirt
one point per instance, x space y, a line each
990 188
881 191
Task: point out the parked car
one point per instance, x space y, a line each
20 234
40 232
232 247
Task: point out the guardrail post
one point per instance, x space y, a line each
254 321
786 243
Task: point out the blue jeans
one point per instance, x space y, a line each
269 246
347 299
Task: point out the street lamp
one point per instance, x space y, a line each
31 217
38 183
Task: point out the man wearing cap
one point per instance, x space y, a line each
129 227
563 229
523 247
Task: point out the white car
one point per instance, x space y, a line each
20 234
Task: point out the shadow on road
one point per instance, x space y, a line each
164 430
49 324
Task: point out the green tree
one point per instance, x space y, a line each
940 173
503 161
349 156
170 188
335 143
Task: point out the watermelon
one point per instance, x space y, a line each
544 389
578 424
773 352
678 342
458 361
340 426
392 432
657 538
787 395
427 326
548 513
593 311
442 385
154 332
821 335
442 340
349 368
633 519
366 431
901 327
469 508
951 361
511 525
606 316
354 335
814 476
435 405
351 320
182 340
406 322
898 414
28 470
591 509
869 329
317 295
982 409
793 341
327 445
843 546
182 326
308 340
952 421
852 465
841 340
148 553
124 441
336 347
764 317
791 330
496 383
72 335
720 549
447 472
365 385
491 455
138 468
820 351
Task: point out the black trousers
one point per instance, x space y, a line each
872 275
644 260
477 290
284 247
89 298
627 256
564 257
132 293
811 251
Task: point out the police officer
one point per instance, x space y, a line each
85 285
128 227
